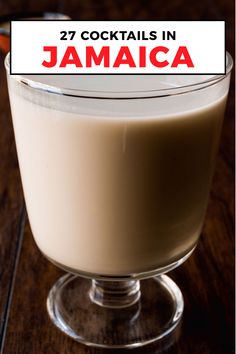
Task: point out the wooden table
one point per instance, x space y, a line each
206 279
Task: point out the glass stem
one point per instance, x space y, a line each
115 294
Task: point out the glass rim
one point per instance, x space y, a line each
122 95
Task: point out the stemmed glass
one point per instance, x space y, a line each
116 172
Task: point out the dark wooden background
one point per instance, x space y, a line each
206 279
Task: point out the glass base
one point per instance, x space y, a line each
123 314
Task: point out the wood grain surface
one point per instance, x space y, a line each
206 279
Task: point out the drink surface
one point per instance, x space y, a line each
115 186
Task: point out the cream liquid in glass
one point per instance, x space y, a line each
115 187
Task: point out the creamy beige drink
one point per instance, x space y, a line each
116 186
